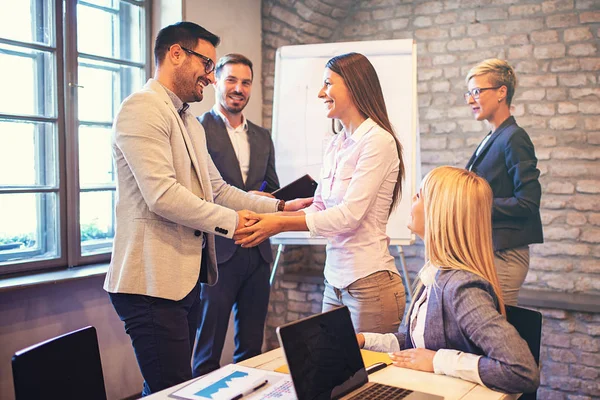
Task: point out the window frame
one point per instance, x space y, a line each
66 186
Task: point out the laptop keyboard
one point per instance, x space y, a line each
377 391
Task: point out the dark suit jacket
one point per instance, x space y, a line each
508 163
462 314
262 168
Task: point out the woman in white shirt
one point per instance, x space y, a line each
360 184
456 325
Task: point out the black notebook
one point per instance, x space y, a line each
300 188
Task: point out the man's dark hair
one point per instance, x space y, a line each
184 33
232 58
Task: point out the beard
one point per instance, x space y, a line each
186 85
235 108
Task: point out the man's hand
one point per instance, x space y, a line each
264 194
259 227
245 218
419 359
298 204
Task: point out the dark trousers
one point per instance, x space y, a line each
162 333
244 286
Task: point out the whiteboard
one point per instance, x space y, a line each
301 130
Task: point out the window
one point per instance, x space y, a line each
57 186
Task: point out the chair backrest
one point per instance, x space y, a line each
529 325
66 367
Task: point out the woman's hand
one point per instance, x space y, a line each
360 338
259 228
298 204
419 359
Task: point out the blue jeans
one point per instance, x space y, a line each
162 333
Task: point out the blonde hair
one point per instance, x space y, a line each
500 74
458 223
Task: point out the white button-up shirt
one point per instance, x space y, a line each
240 141
352 203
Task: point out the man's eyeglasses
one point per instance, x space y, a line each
209 65
476 92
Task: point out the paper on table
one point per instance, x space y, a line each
369 358
231 380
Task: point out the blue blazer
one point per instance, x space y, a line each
462 314
508 163
262 168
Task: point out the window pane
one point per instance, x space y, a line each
27 20
118 31
95 156
96 97
105 86
100 40
133 33
27 153
97 221
29 228
29 84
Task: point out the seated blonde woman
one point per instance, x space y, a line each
456 325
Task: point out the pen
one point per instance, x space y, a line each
263 186
376 367
254 389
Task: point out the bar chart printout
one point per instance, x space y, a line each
222 386
232 380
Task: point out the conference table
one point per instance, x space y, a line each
448 387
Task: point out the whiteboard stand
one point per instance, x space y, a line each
405 276
280 249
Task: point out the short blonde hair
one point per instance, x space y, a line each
458 223
501 74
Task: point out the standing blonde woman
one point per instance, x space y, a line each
361 182
456 325
506 159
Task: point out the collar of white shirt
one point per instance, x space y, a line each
244 124
361 130
427 274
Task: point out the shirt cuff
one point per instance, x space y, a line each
384 343
310 209
458 364
310 223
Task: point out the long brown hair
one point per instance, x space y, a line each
365 90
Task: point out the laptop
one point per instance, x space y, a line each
325 362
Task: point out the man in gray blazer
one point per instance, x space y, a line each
171 202
244 155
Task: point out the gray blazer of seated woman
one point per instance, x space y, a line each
457 326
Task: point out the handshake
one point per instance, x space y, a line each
255 228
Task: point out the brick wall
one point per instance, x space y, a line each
554 47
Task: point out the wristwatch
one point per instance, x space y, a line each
280 205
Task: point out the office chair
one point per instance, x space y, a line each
66 367
529 325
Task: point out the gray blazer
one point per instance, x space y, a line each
262 168
462 314
157 247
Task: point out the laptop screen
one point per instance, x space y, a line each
323 355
